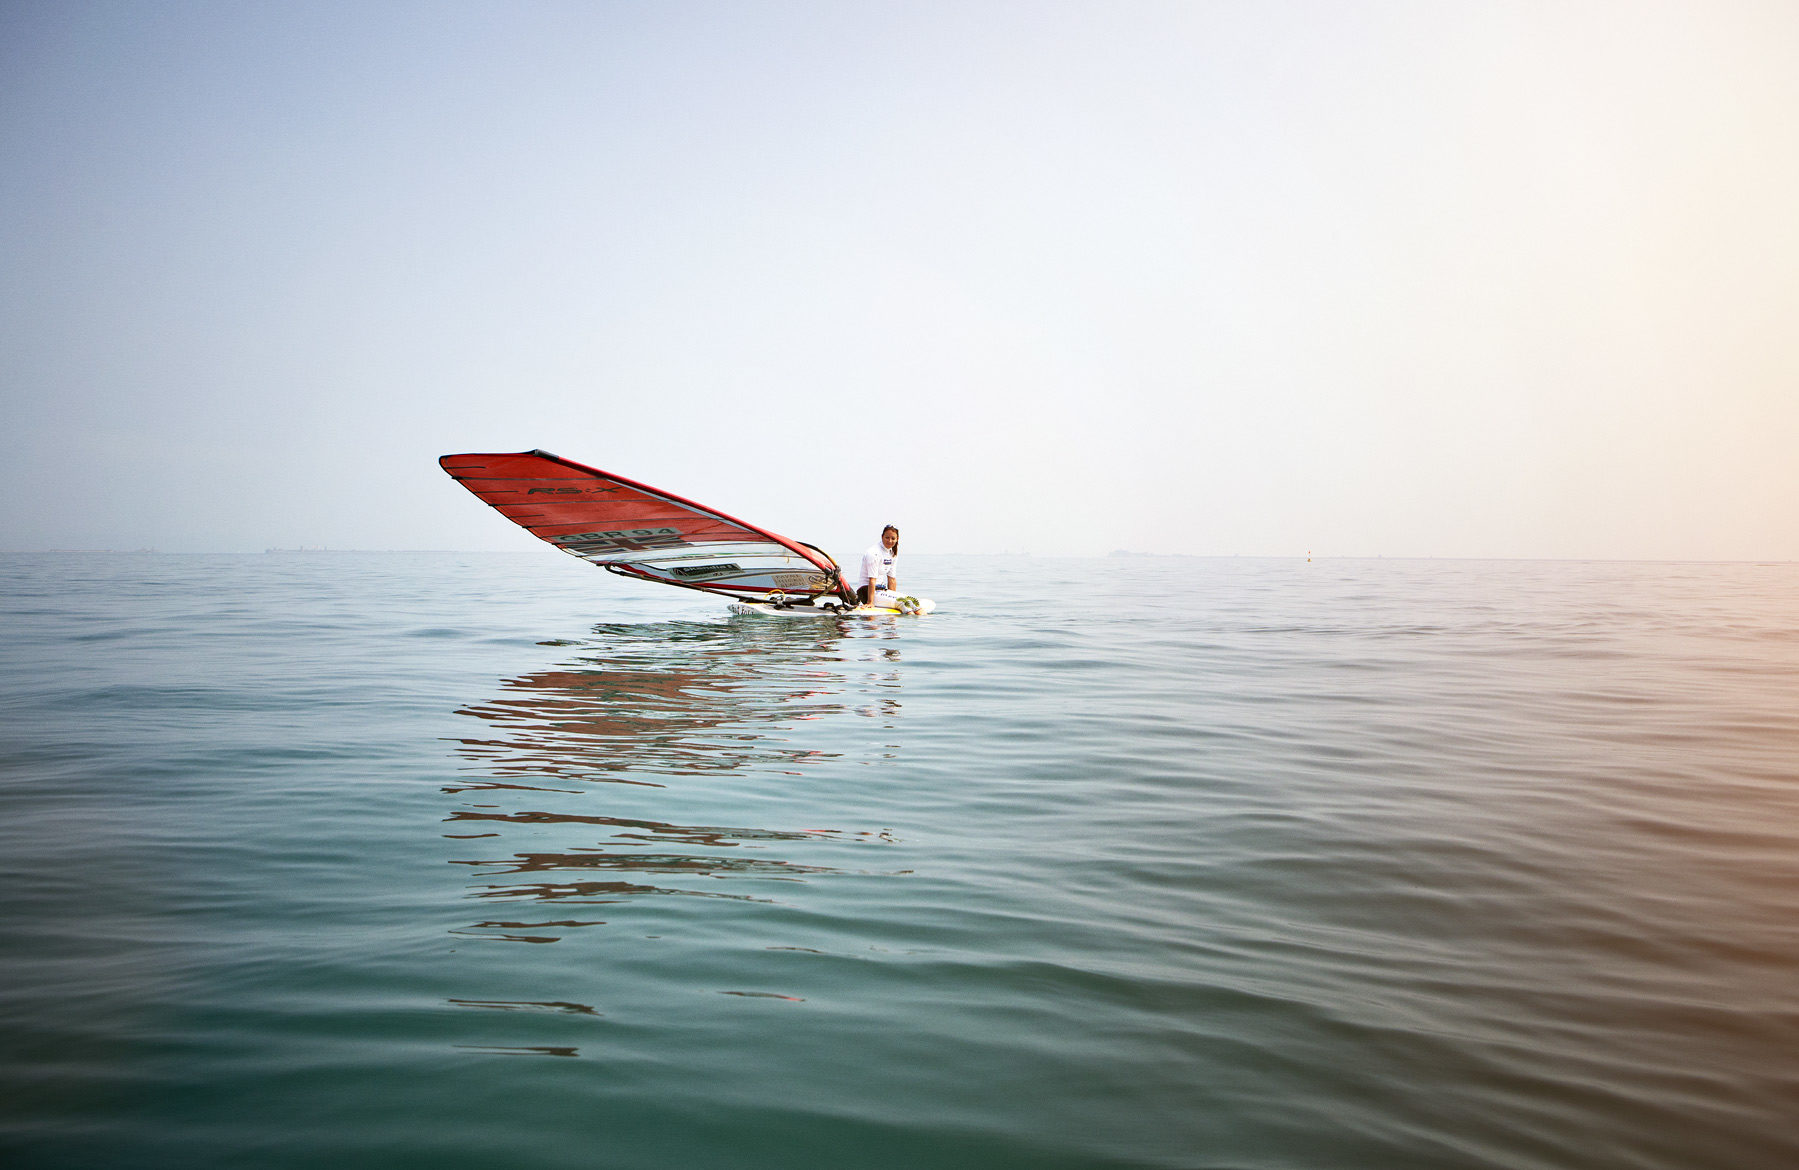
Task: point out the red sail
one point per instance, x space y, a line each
641 531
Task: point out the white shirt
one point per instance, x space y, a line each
878 564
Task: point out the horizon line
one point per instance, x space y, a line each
1117 554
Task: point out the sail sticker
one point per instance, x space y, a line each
701 572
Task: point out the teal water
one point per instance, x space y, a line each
492 860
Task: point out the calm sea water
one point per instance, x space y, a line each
494 860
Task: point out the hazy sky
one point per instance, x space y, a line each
1454 279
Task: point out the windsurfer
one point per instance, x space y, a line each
878 574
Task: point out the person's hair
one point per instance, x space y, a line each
895 531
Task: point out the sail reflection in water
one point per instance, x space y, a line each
640 710
651 701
